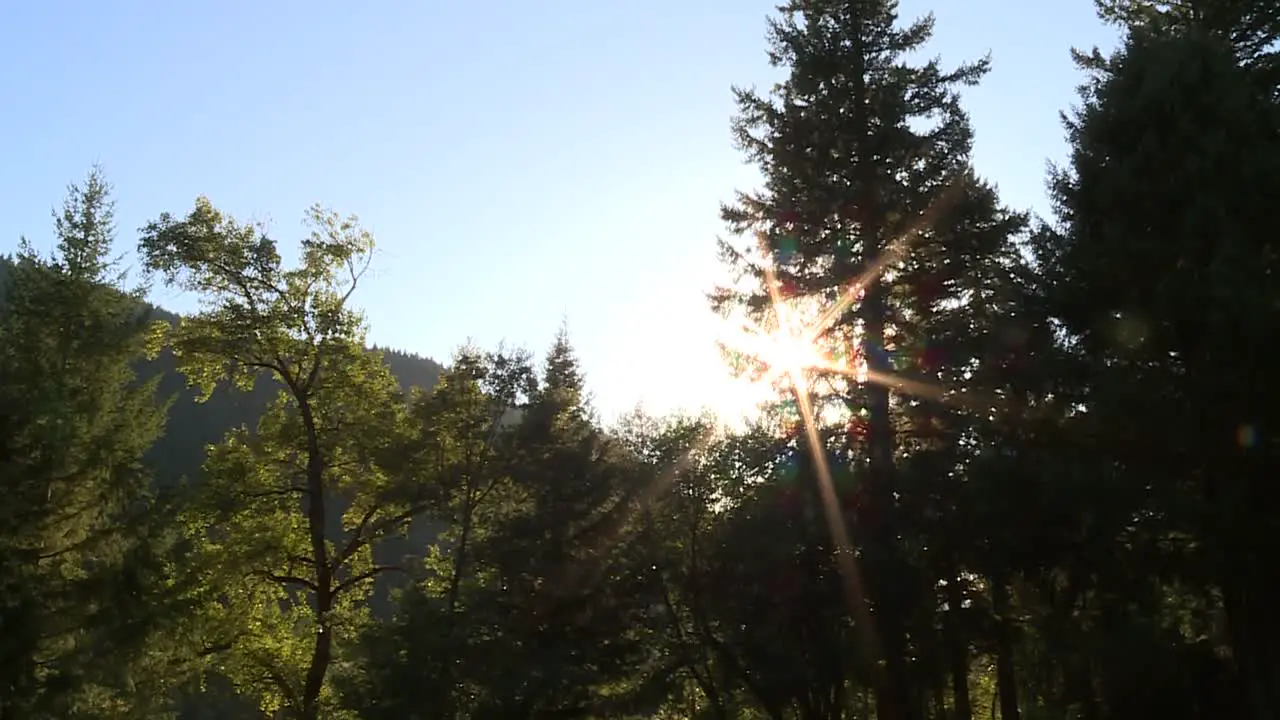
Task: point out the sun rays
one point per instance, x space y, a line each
792 346
801 345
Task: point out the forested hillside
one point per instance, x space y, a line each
1018 467
192 425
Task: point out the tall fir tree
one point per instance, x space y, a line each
570 597
532 606
871 219
81 547
1251 28
430 659
1163 290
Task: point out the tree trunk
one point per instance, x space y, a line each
322 652
895 700
939 700
958 651
885 585
444 681
1255 630
1006 679
1242 500
963 704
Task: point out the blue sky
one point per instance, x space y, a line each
519 162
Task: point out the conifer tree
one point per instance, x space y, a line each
532 606
431 655
871 219
570 596
1162 289
1250 27
81 542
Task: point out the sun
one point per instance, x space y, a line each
789 346
784 354
790 355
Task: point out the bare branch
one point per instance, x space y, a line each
356 275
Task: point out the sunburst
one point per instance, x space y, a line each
792 350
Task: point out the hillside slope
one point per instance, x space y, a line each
192 425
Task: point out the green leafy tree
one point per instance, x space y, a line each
287 515
782 621
678 536
424 663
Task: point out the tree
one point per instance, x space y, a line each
425 661
287 515
82 540
534 603
1158 286
568 599
1250 27
872 221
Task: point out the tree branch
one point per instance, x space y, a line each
367 575
288 580
291 490
365 538
356 534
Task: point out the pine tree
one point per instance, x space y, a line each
871 219
532 606
1161 288
1250 27
81 543
433 652
570 595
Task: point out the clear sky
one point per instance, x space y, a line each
520 162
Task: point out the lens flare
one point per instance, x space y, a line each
790 351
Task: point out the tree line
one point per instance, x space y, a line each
1030 476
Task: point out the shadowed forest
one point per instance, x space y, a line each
1018 467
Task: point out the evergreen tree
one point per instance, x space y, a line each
430 658
571 598
1250 27
1161 288
872 220
82 543
532 605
